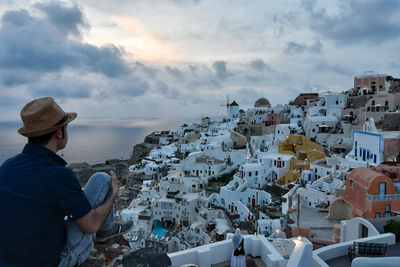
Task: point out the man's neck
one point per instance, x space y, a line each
51 146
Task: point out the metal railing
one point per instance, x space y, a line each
373 198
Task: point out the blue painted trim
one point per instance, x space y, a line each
373 134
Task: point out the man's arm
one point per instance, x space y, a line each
92 221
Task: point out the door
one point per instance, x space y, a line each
382 190
363 232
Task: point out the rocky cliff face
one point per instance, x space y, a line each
84 170
140 151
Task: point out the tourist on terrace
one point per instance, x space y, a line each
48 220
238 258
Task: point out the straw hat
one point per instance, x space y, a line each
42 116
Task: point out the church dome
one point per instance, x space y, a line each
262 102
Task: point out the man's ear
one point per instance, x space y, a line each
59 134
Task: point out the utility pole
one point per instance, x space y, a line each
298 214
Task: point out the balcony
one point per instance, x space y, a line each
374 198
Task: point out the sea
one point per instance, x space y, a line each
93 140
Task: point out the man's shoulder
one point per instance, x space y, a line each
11 161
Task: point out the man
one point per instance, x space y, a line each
47 219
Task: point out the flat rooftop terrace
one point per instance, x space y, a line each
315 220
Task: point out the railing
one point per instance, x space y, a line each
373 198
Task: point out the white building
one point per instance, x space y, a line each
367 147
296 116
262 142
178 209
199 165
258 115
282 131
320 127
238 195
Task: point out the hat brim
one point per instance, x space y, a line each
43 131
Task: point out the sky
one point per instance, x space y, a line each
182 58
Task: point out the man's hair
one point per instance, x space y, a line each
44 139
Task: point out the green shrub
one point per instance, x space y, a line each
393 226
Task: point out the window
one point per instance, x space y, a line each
374 158
373 102
368 109
377 215
249 174
388 213
351 184
313 130
256 173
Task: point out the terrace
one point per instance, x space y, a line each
336 255
259 250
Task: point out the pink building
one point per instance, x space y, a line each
274 118
374 82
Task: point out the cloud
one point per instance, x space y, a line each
357 21
36 48
293 48
68 19
260 72
150 72
259 65
175 72
202 77
35 44
335 68
220 69
164 89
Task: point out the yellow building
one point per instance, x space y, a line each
304 152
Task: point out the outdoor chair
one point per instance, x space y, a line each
363 249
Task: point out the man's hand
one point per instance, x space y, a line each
114 184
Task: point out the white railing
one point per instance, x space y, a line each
219 252
373 198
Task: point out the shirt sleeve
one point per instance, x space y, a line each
70 196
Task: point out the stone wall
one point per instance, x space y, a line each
391 121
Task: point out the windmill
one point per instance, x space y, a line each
227 105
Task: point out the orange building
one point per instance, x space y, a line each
304 152
369 194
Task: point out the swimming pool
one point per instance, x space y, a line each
158 231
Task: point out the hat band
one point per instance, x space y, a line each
64 119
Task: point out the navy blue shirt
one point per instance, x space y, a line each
37 191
